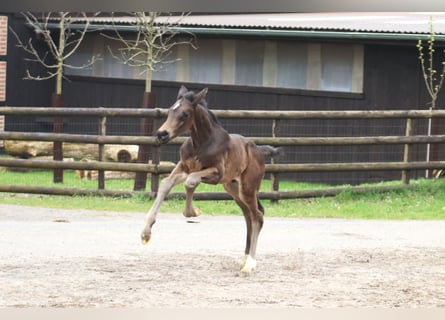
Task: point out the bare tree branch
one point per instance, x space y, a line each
83 66
76 43
53 60
152 44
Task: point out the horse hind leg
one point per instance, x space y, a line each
249 188
248 262
256 223
233 189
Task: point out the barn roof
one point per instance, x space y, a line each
394 22
370 25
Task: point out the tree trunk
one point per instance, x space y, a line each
57 102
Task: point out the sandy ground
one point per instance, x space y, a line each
80 258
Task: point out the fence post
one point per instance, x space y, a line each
140 180
156 159
102 132
408 130
57 102
274 177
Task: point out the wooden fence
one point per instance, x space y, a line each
155 168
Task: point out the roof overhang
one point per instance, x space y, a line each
272 33
390 26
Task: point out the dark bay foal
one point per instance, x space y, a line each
211 155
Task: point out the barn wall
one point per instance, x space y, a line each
392 80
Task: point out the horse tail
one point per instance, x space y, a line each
269 151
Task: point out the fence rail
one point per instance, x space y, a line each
270 168
228 114
156 169
276 141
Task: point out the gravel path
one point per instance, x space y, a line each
81 258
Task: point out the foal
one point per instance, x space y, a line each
213 156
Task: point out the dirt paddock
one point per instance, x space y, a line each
80 258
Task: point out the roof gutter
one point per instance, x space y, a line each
283 33
348 35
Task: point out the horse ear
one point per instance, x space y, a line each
183 90
200 96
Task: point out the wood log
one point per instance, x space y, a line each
121 153
78 151
27 149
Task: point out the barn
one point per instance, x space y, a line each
273 61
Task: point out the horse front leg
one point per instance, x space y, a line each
177 176
189 210
209 175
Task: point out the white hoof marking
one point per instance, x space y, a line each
249 265
243 261
192 220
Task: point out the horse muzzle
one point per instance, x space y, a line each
163 136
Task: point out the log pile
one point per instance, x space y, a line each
77 151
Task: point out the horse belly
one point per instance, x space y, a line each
235 161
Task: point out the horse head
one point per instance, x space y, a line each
180 117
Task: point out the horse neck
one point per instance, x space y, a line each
202 128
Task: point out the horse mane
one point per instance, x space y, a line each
190 95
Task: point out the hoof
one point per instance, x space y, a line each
192 214
192 220
243 261
248 266
145 237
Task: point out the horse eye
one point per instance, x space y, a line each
184 115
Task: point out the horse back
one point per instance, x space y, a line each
245 153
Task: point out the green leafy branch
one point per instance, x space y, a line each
433 80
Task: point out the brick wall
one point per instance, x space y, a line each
3 35
2 81
3 53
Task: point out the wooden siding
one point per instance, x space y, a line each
392 80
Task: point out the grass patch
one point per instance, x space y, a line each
425 201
